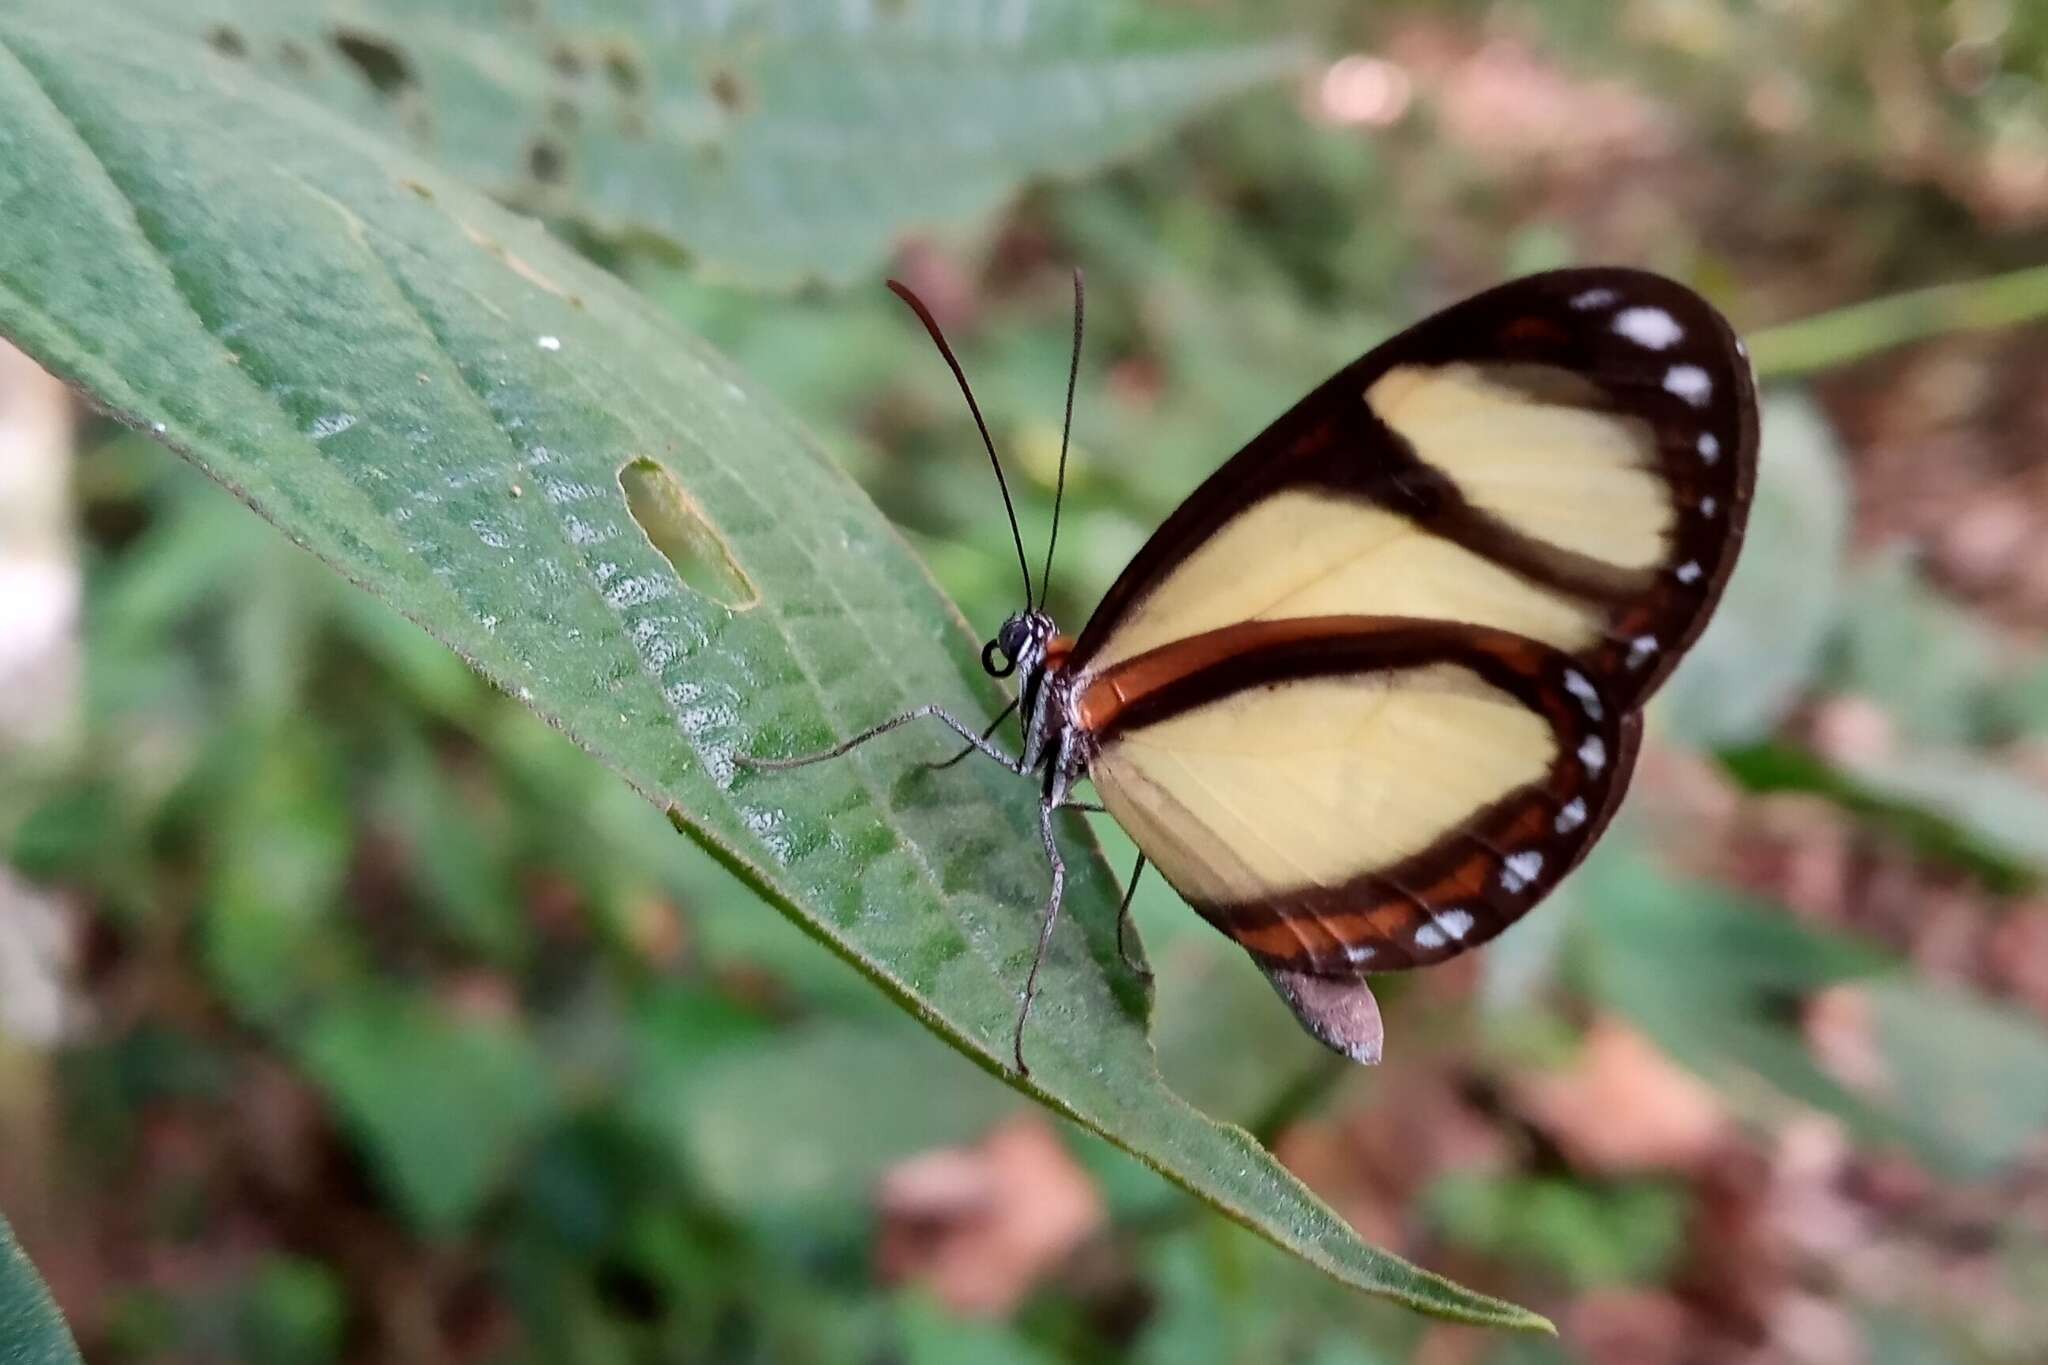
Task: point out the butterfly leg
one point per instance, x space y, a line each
875 732
1123 917
967 749
1052 915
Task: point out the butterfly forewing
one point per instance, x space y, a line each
1568 457
1351 794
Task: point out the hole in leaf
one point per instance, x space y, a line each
379 63
227 41
673 525
547 162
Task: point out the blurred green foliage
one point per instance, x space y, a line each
552 1086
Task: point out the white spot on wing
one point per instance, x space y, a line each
1576 684
1640 649
1429 936
1649 327
1708 507
1456 923
1360 952
1689 572
1572 816
1689 382
1593 754
1593 298
1520 869
1710 447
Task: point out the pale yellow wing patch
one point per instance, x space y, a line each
1312 783
1529 446
1532 446
1316 554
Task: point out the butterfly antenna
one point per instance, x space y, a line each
931 325
1059 493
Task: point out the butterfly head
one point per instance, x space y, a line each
1021 643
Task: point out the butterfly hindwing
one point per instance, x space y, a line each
1568 457
1349 794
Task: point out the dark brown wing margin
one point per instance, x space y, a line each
1476 879
1565 319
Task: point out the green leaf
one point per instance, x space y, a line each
437 399
1990 803
440 1105
772 142
1715 980
1967 1078
1766 640
1718 983
932 1336
32 1332
1915 652
1588 1235
812 1119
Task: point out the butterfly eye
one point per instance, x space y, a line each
992 651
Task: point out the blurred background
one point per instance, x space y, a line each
347 1013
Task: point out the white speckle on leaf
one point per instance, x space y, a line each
636 591
766 825
1689 382
583 533
157 427
559 492
331 425
490 535
656 647
551 343
1651 328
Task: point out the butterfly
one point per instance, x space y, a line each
1376 686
